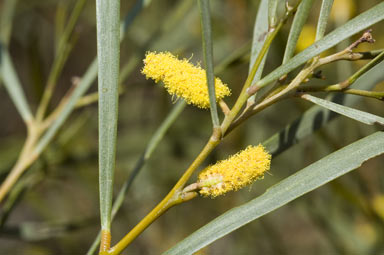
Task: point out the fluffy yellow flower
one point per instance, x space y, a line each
343 10
307 37
234 173
181 78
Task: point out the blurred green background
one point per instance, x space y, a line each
57 211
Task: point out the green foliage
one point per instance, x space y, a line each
45 44
315 175
364 117
325 10
108 56
208 57
13 86
297 25
359 23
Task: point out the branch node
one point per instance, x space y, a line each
252 90
224 107
216 135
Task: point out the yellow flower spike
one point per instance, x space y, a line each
307 37
181 78
234 173
343 10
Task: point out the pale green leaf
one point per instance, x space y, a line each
304 181
206 30
273 6
364 117
152 144
260 32
359 23
297 25
6 18
108 55
316 117
325 10
13 85
86 81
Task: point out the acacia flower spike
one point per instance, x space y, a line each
235 172
181 78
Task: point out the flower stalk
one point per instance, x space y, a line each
174 197
179 194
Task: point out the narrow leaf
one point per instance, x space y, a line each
260 31
316 117
108 55
13 86
273 6
304 181
364 117
325 10
130 17
205 18
297 25
6 18
85 82
62 53
152 144
359 23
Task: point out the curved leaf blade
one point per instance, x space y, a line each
325 10
206 32
364 117
304 181
260 31
297 25
273 6
316 117
13 85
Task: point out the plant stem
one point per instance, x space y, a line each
55 120
174 197
237 54
276 97
316 62
243 97
26 158
52 81
343 86
245 93
63 50
336 88
364 69
105 242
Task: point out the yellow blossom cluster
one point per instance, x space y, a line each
181 78
234 173
343 10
